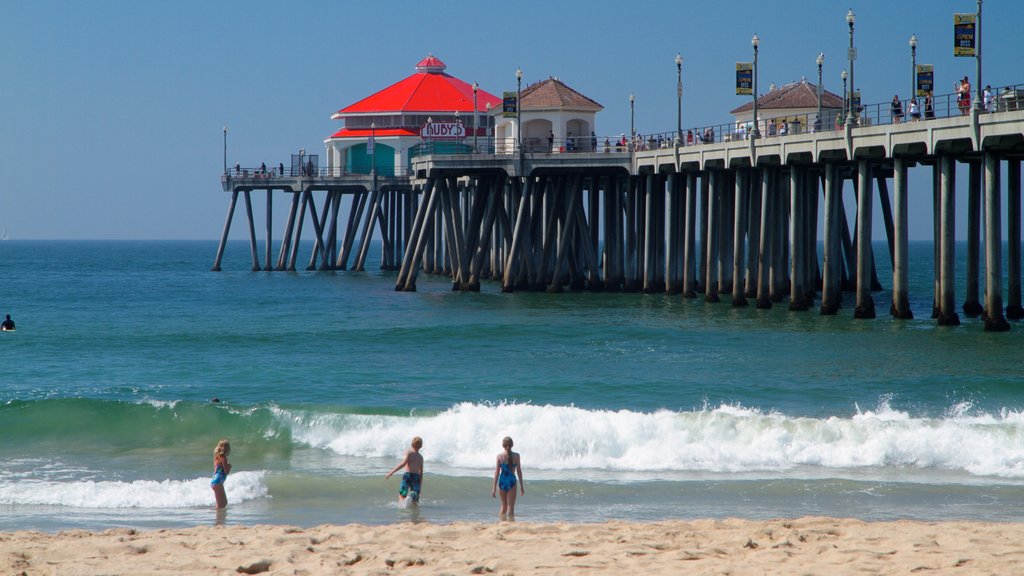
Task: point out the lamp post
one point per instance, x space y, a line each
632 125
913 66
851 56
373 147
979 103
679 98
845 102
756 132
225 148
820 60
519 109
475 88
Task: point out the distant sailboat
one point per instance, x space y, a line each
4 236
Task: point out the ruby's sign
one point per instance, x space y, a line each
443 130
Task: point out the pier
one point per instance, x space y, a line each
733 218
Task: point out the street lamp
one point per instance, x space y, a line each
632 117
756 132
817 120
851 56
845 102
475 88
679 98
225 148
519 109
913 66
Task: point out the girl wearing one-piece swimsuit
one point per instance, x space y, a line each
506 471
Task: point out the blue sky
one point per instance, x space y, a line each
111 112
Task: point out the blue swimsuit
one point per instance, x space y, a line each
219 475
506 479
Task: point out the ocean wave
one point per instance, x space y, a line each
194 493
725 438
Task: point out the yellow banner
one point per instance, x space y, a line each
745 78
964 40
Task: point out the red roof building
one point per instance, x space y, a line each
395 118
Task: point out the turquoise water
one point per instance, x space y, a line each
625 406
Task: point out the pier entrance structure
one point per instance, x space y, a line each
556 119
729 218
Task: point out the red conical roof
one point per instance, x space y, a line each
428 90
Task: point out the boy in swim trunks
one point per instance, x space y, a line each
412 480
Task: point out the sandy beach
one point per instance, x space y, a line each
801 546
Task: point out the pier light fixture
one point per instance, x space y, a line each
913 65
225 148
756 132
475 88
519 115
373 148
851 55
843 76
632 121
679 98
819 60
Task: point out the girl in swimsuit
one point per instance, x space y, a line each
507 467
221 469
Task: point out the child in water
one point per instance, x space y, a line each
412 480
221 469
506 469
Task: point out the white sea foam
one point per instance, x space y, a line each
719 439
241 486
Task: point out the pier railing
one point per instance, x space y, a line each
1005 98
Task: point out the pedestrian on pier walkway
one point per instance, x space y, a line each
897 109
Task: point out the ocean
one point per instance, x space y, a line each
622 406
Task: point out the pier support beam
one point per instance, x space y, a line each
831 282
705 193
753 231
900 297
865 304
1014 310
765 244
994 320
947 268
797 287
650 214
224 235
714 207
689 238
673 260
741 205
972 305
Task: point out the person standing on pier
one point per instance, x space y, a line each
929 107
551 141
897 109
963 98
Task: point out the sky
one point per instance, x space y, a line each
112 112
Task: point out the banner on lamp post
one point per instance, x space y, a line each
964 39
744 78
509 104
925 79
